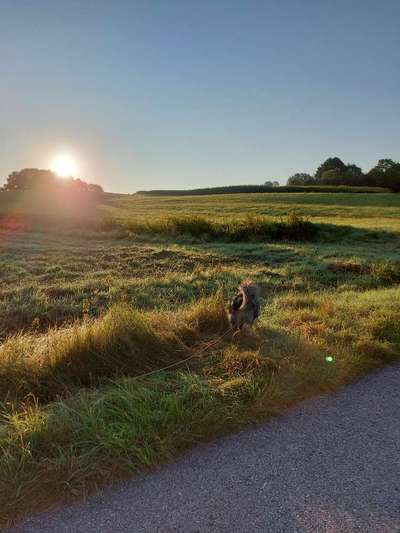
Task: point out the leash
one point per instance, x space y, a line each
182 361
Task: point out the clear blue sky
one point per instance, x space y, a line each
189 93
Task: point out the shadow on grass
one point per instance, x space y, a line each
334 233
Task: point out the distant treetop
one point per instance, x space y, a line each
386 173
332 163
301 178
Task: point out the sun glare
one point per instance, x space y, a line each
64 166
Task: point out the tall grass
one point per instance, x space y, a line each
253 228
125 342
66 448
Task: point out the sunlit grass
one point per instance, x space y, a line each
328 207
124 342
87 307
68 447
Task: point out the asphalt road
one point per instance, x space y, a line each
330 465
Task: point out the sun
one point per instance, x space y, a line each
64 166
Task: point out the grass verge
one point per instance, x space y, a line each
52 452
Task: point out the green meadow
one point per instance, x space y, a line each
340 208
115 349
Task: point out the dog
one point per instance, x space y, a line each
244 308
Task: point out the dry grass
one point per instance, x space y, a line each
125 342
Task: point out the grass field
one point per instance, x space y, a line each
340 208
90 304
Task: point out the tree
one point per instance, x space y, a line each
29 178
46 180
301 178
354 175
392 178
276 184
332 163
383 165
333 176
268 184
384 174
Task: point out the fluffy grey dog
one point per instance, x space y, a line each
244 307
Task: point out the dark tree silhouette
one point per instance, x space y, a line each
333 176
354 175
386 173
392 178
384 165
46 180
332 163
301 178
29 178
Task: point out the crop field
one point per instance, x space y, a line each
90 301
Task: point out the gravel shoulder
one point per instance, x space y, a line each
331 464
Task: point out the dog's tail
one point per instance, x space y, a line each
250 292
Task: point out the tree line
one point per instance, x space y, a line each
386 173
29 179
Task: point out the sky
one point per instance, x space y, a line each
185 93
